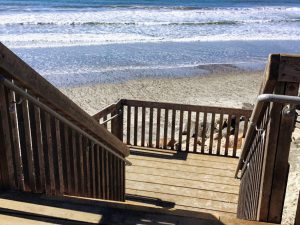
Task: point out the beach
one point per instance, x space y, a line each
209 53
222 87
218 89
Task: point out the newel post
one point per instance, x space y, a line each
7 176
117 122
275 168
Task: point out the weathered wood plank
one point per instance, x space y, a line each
73 160
49 155
281 167
81 165
93 170
289 68
59 157
15 140
195 108
6 160
98 172
29 149
67 166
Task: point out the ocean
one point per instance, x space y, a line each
77 42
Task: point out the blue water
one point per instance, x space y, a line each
74 42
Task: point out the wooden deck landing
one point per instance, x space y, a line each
192 182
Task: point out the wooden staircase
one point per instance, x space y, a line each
58 165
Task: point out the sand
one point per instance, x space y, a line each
228 89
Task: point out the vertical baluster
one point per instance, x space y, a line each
98 174
245 126
59 157
6 157
196 132
128 124
180 131
104 119
49 155
107 175
173 128
136 111
158 128
143 126
29 149
15 138
93 149
203 133
81 164
228 134
236 135
150 127
68 160
34 147
220 135
88 168
118 175
211 136
188 135
110 172
166 124
74 163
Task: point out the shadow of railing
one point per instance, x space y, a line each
74 210
161 154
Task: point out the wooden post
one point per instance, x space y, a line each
117 122
275 163
6 158
297 217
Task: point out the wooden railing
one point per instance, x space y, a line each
48 144
263 166
192 128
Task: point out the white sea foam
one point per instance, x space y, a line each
125 25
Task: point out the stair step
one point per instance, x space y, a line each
20 208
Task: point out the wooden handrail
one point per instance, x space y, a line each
58 116
13 67
264 159
174 106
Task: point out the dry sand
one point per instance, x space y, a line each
229 90
217 89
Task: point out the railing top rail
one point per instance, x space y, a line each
13 67
199 108
261 101
24 94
